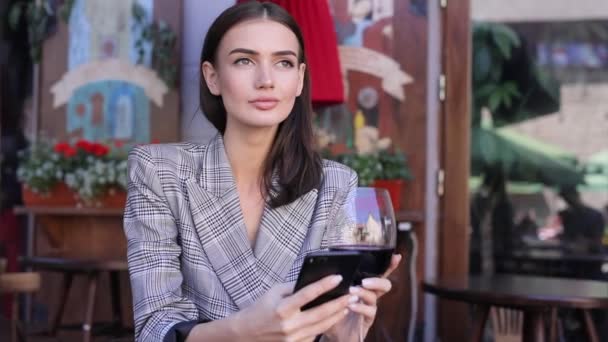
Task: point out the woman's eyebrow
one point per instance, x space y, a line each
255 53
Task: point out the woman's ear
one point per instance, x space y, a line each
211 78
301 74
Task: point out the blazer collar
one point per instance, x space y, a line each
216 174
246 273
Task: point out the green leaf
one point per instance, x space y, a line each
496 73
494 101
510 88
15 15
484 91
65 10
482 63
506 100
504 46
507 33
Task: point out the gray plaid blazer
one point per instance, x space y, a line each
188 251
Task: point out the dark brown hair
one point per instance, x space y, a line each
292 155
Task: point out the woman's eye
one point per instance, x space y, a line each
286 64
242 61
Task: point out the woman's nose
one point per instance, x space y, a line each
264 78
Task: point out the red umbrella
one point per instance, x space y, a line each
317 26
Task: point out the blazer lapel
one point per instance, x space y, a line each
215 207
214 202
281 237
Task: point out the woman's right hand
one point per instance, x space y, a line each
277 315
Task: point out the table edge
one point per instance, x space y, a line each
509 299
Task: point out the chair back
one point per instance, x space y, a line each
507 324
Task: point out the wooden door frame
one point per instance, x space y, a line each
453 232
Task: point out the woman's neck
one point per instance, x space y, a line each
247 150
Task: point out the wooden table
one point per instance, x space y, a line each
533 295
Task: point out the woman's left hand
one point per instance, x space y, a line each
365 309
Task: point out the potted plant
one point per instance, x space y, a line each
100 183
41 171
393 174
63 174
385 169
373 159
367 166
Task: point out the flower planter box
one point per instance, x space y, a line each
84 166
62 196
395 188
111 199
59 196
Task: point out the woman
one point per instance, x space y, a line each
217 233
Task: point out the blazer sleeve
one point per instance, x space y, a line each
161 311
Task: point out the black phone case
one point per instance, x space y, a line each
321 264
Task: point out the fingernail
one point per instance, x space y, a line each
366 282
353 299
353 290
345 312
336 279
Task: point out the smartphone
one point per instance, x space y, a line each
318 265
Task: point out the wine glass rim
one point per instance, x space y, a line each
368 190
371 188
387 245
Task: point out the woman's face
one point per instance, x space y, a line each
256 73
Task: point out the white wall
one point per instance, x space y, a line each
538 10
198 16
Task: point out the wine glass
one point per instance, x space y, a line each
366 224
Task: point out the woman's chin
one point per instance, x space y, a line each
264 121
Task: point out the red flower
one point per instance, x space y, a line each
119 143
69 151
99 150
61 147
85 145
104 151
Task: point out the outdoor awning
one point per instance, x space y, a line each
598 163
596 168
520 188
538 10
598 182
521 158
533 144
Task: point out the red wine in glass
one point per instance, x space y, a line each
365 223
374 260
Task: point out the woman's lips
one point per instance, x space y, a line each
264 103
